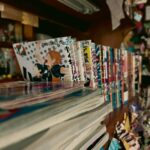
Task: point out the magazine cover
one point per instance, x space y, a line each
138 72
74 60
113 77
130 74
89 74
120 73
134 75
105 72
99 67
102 69
125 76
47 60
116 79
93 50
80 61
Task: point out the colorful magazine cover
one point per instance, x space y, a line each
75 67
130 74
99 67
112 76
80 61
93 50
125 76
89 74
138 72
117 76
120 78
47 60
105 73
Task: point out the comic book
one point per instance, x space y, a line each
47 60
80 61
72 132
89 74
99 67
34 122
113 76
130 68
36 94
75 67
138 72
116 78
120 77
125 76
94 61
105 72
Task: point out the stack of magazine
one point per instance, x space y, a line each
70 86
66 59
36 115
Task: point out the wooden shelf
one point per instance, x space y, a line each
5 44
117 116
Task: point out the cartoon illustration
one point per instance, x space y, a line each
44 60
51 69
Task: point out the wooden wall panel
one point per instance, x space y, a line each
96 26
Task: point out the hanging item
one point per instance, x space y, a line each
116 11
147 13
139 1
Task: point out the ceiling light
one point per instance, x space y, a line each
83 6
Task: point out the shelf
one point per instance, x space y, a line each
5 44
118 116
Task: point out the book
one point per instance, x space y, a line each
98 66
101 142
125 76
75 67
45 60
93 137
21 109
46 92
34 122
94 61
88 60
80 60
70 133
105 73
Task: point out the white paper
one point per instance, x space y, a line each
139 1
2 7
116 10
147 15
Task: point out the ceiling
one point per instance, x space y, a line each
57 20
56 14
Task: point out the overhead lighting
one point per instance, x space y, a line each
82 6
